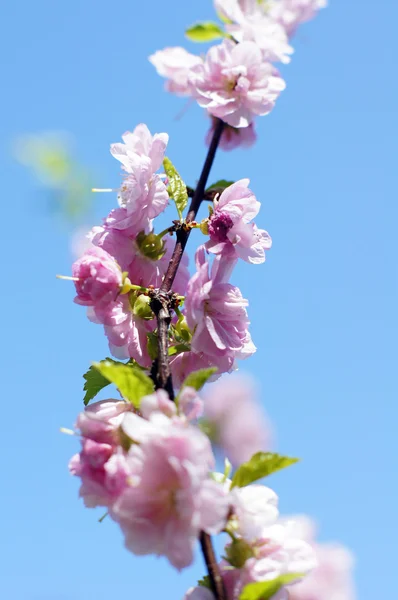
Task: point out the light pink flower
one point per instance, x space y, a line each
233 137
216 313
332 579
235 83
175 65
230 229
126 331
141 269
185 363
237 423
255 507
190 406
143 194
251 21
101 464
292 13
277 554
170 498
99 278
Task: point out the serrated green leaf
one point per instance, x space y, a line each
204 32
94 383
260 465
131 382
176 188
221 184
263 590
197 379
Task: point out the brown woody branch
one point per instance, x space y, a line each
162 304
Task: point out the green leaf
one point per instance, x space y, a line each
263 590
197 379
131 382
94 383
222 184
205 582
204 32
260 465
177 188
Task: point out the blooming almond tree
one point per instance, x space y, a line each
147 456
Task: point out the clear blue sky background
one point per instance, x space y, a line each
324 307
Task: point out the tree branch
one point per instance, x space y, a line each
161 304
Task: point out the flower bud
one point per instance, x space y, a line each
238 552
183 330
142 308
150 245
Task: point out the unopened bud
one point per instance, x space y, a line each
150 245
238 552
183 330
142 308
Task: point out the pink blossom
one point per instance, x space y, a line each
170 498
230 229
141 269
333 577
175 65
190 406
185 363
99 278
216 313
233 137
101 464
291 13
235 83
235 418
126 331
254 507
250 21
143 194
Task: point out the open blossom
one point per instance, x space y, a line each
175 65
235 84
99 278
234 417
143 194
332 579
184 364
291 13
230 229
171 497
216 313
250 20
100 463
233 137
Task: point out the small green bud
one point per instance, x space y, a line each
150 245
183 330
238 552
142 308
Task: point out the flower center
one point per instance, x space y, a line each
219 226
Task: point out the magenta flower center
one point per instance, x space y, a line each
219 225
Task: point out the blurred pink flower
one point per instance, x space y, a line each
231 232
175 64
100 464
185 363
235 419
170 498
99 278
235 84
333 577
292 13
251 21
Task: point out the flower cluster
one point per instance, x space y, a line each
147 458
127 260
237 80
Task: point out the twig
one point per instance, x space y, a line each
161 304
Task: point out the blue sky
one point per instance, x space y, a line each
323 307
